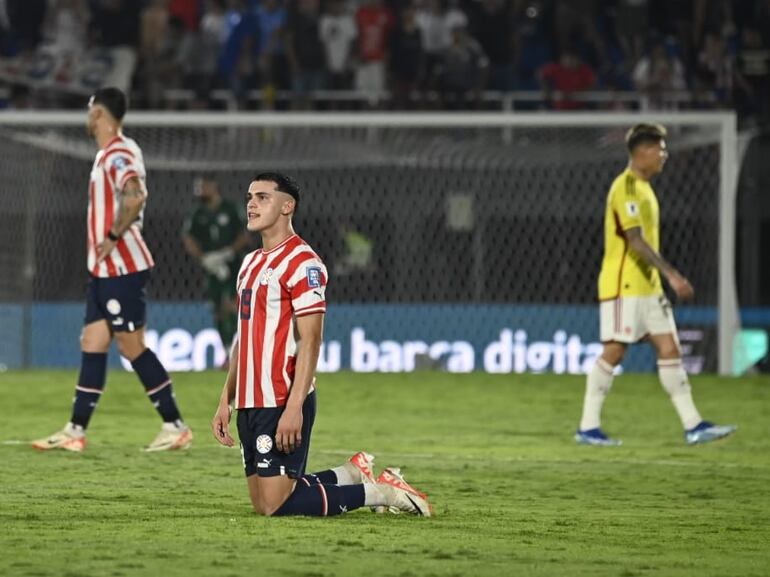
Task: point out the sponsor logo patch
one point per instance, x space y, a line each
264 444
314 277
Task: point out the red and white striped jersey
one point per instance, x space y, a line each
114 165
274 288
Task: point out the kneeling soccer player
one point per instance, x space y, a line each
281 301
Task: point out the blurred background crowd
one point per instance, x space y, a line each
395 54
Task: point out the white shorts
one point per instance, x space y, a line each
631 319
370 77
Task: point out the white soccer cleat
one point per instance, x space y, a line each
401 495
381 508
70 438
171 438
361 467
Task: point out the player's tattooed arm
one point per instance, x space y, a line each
132 199
130 205
650 256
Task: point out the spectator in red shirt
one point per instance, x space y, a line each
188 11
374 21
570 74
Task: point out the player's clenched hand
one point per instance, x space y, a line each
220 425
288 435
681 287
104 248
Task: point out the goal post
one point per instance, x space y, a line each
459 219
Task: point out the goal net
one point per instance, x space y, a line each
462 242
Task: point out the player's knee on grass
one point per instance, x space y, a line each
269 493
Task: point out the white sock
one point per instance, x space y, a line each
598 384
75 431
374 496
345 476
174 426
677 385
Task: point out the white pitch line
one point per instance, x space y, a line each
13 442
489 458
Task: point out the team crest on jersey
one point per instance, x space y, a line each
632 209
119 163
264 444
245 304
266 276
113 307
314 277
223 220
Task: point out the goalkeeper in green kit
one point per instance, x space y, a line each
215 234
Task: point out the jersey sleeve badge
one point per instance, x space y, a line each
314 277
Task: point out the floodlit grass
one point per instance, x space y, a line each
512 493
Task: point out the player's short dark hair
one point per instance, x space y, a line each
113 100
284 183
644 133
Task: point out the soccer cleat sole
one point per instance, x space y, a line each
581 440
73 446
183 442
723 432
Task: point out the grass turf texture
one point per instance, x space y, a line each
512 493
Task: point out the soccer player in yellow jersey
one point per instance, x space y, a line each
633 306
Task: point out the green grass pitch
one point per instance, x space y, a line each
513 495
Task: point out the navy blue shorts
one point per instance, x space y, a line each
120 300
256 429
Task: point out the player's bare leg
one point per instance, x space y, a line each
598 385
131 344
174 434
95 341
95 337
269 493
674 380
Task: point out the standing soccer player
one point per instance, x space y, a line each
633 306
214 234
271 379
119 265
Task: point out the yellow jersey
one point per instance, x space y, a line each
631 203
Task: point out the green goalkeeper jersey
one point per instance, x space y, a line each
215 229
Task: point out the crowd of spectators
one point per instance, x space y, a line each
417 53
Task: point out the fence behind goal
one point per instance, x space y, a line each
463 242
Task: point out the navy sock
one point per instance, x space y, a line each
321 478
93 375
157 383
322 500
